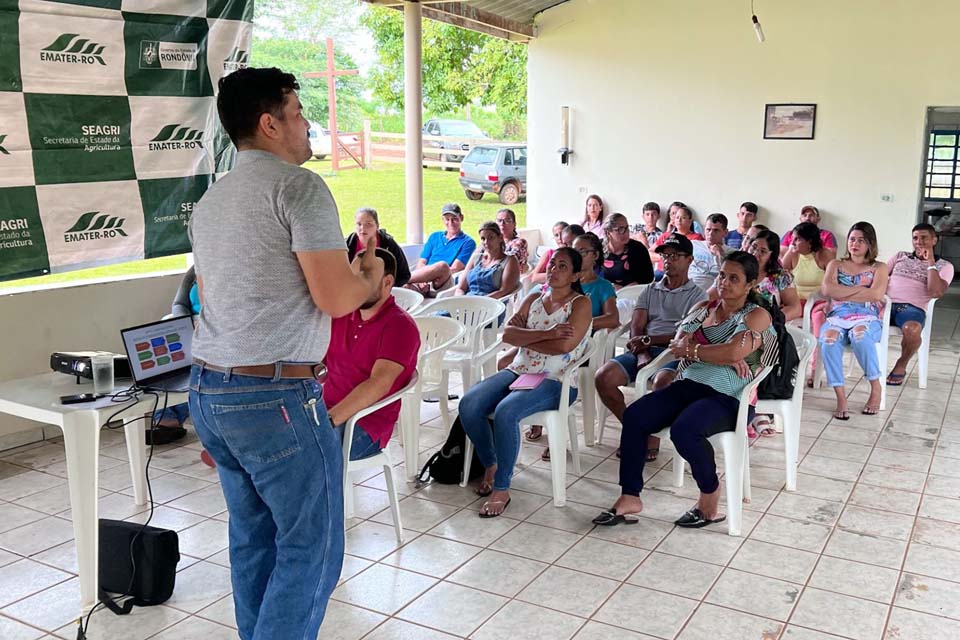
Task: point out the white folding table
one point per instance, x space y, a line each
38 398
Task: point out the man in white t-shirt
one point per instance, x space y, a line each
915 279
708 254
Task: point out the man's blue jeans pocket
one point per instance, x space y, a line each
259 432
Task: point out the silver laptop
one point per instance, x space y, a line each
159 354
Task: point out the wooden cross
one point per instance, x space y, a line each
330 74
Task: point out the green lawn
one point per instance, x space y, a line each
381 188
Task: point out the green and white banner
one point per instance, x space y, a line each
108 125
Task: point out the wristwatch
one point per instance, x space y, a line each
645 340
933 267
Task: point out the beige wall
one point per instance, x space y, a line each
78 318
667 100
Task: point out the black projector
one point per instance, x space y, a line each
77 363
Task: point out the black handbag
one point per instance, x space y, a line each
136 561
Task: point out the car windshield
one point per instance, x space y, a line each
482 155
468 129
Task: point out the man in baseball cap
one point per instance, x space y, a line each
444 254
659 310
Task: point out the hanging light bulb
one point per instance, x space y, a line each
756 24
758 29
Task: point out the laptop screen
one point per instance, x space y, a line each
159 348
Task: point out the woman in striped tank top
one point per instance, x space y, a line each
721 344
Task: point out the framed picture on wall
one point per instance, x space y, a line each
789 121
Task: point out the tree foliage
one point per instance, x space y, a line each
459 66
298 57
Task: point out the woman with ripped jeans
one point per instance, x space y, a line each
855 286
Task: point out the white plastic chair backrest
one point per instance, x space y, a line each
436 335
473 312
627 299
407 299
351 423
805 343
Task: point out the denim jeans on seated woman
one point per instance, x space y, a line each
493 396
179 412
281 470
864 347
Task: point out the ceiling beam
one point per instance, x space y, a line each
463 15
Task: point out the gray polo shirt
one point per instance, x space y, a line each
667 307
245 229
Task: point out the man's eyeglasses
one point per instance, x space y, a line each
672 255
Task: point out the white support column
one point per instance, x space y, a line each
413 119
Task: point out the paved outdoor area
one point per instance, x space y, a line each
867 548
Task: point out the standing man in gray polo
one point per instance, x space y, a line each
272 269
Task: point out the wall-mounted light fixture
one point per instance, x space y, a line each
565 150
756 24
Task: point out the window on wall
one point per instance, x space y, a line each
943 165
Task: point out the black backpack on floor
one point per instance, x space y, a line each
780 383
446 465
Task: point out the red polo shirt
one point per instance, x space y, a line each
355 345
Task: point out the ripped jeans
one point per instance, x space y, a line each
863 339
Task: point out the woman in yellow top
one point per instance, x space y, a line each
807 260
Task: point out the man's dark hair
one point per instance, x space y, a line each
389 262
718 218
750 206
651 206
246 94
925 226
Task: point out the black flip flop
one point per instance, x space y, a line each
895 379
844 415
694 519
164 435
480 492
484 514
610 518
652 454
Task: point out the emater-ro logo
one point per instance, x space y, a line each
86 228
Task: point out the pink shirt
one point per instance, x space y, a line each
826 238
355 345
908 278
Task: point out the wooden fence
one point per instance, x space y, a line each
362 148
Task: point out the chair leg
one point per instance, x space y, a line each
747 490
791 443
410 434
466 376
558 458
444 401
394 502
677 469
883 351
923 361
348 495
467 458
733 476
574 443
588 399
601 421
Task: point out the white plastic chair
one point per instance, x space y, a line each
788 412
736 459
479 345
882 351
556 421
639 386
381 459
627 300
436 334
407 299
923 355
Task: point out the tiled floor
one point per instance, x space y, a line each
867 548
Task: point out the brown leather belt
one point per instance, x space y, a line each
287 370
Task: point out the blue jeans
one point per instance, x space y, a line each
362 445
864 348
501 445
901 313
179 412
281 469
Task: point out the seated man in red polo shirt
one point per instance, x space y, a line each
372 353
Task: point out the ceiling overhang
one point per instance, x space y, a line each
507 19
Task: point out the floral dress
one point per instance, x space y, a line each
555 366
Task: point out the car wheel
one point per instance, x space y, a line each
509 193
473 195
